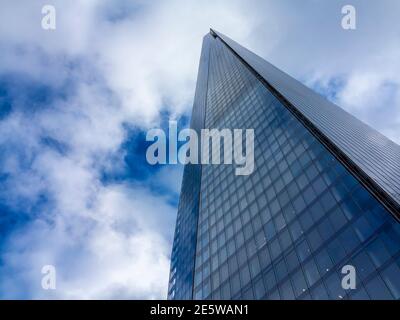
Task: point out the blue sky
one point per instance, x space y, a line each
76 102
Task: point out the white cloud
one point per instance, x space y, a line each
119 250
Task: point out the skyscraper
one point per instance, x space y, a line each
324 193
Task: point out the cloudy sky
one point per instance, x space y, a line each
76 102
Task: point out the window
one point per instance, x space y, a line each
244 275
259 289
349 239
280 222
299 282
323 261
325 229
264 257
292 261
390 276
333 284
359 293
378 253
285 240
275 249
336 251
235 284
299 204
311 272
314 239
363 265
286 290
254 265
295 230
363 229
280 270
232 264
225 291
320 293
269 230
337 219
317 211
377 289
269 280
303 250
309 194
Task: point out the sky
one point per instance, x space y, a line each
76 102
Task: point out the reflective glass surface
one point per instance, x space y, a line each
183 251
286 230
375 154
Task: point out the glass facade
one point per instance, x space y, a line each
286 230
184 248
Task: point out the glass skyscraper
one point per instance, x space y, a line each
324 193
